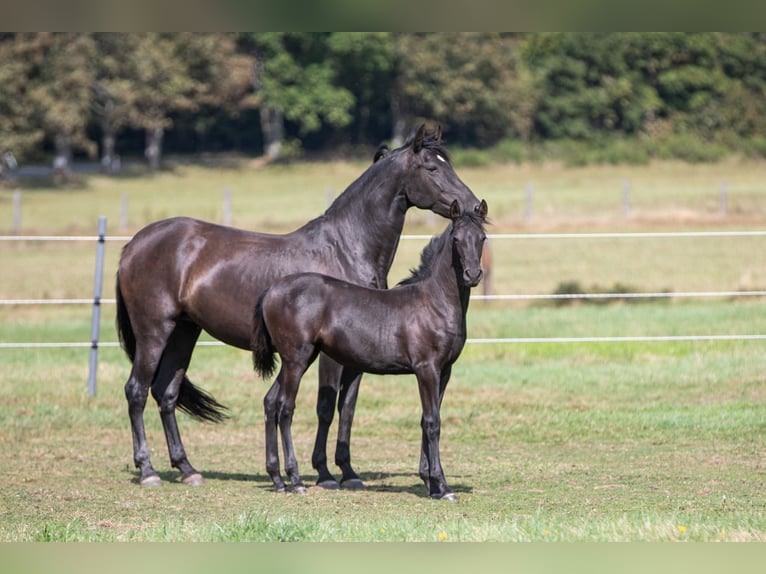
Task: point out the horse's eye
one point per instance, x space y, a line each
431 168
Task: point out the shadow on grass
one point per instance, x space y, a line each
374 481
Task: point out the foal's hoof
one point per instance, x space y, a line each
194 479
329 484
299 489
151 480
352 484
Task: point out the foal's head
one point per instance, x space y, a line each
468 239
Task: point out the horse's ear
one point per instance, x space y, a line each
417 144
454 210
482 209
438 134
381 153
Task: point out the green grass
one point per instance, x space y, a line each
542 442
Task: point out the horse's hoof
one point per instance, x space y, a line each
280 489
299 489
352 484
151 480
451 496
194 479
329 484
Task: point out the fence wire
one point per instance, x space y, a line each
498 297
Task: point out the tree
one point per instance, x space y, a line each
465 81
295 80
160 84
59 77
19 133
364 66
112 94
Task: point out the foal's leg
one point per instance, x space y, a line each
444 379
270 409
429 384
165 389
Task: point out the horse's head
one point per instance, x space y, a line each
468 239
428 180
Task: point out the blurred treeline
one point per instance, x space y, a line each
638 95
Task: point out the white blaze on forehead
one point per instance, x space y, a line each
440 158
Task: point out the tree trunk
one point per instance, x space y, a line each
398 113
108 140
153 151
272 127
62 159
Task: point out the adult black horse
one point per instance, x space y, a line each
179 276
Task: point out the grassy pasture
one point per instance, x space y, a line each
570 442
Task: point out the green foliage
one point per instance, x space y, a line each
543 90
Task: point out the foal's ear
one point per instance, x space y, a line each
417 144
381 153
481 209
454 210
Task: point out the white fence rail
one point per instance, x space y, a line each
97 301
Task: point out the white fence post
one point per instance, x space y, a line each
530 199
96 318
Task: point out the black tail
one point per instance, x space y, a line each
124 328
191 399
264 360
201 405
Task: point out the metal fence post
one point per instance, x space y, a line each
96 319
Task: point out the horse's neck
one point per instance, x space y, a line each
368 219
446 277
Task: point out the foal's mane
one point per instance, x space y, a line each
434 247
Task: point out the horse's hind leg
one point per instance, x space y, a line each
166 388
145 363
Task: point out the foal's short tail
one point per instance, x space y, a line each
191 399
264 360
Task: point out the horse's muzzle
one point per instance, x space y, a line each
472 276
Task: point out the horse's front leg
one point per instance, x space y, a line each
270 409
444 379
429 384
349 390
329 381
